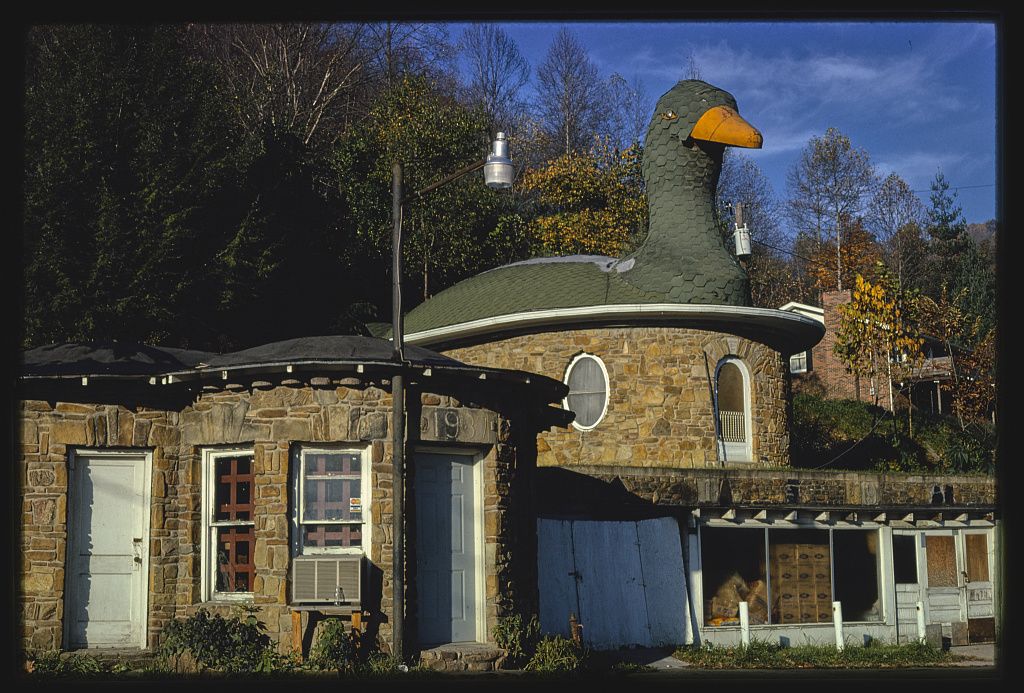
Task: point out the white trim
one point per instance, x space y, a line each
481 548
813 312
786 321
480 541
298 501
207 592
607 389
732 451
146 457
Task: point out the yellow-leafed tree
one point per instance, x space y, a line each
590 203
878 336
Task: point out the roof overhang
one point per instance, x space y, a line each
788 332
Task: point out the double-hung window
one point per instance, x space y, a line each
229 539
331 508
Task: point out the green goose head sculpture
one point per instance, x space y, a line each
683 255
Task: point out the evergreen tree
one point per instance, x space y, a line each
956 262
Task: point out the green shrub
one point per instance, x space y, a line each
336 647
233 644
846 434
557 654
518 640
55 663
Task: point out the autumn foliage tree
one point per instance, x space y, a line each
877 337
972 354
859 254
591 203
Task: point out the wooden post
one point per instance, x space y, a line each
297 633
357 621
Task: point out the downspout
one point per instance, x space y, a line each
714 414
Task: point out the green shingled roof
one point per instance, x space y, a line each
683 259
524 287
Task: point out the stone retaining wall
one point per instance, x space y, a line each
794 488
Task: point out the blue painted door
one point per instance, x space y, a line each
445 548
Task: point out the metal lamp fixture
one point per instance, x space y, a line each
742 241
498 167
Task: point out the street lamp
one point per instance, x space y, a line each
497 176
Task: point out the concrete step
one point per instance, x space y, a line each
463 656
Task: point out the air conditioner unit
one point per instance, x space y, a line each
327 579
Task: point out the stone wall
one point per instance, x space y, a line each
800 488
660 411
269 418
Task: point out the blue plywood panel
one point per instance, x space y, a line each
625 580
612 590
661 556
555 580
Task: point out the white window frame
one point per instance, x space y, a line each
298 501
801 359
607 389
736 452
209 540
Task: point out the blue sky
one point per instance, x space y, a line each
918 96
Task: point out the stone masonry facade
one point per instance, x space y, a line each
269 419
659 412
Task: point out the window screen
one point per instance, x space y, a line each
330 508
588 390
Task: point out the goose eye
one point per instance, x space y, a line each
669 115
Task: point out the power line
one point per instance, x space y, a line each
959 187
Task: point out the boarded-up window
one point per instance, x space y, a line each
801 576
855 573
941 561
733 570
588 390
977 557
904 558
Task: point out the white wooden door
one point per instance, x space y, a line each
978 566
107 534
446 548
945 598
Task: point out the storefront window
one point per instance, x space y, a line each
734 571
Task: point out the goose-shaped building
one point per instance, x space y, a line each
675 470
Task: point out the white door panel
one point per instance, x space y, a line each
107 536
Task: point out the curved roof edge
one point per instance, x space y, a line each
786 331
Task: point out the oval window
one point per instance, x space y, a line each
588 390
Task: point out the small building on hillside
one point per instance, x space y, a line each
820 372
158 481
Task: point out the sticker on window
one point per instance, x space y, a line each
355 506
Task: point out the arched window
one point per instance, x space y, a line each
732 394
587 379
